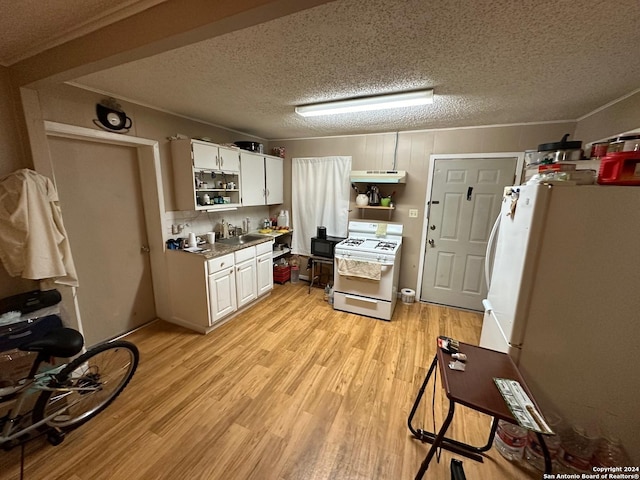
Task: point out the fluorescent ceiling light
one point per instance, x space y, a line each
363 104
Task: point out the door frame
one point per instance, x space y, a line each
148 154
425 223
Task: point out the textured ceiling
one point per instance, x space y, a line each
28 27
489 61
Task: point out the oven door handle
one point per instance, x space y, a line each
362 299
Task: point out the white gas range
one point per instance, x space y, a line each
366 270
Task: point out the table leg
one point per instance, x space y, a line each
418 433
436 442
545 452
492 434
313 264
450 444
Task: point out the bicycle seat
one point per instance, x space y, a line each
61 342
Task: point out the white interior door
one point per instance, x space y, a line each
100 198
465 199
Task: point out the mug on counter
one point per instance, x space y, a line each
211 237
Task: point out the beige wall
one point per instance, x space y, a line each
623 116
12 155
12 158
74 106
414 150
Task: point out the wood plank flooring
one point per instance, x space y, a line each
288 390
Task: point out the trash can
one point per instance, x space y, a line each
295 274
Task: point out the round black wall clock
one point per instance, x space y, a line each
111 117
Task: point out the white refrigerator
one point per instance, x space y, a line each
564 301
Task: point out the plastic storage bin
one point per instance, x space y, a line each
621 168
281 274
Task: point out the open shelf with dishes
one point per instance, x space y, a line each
216 189
206 175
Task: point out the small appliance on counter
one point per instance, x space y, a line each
324 247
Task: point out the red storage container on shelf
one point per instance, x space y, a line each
620 168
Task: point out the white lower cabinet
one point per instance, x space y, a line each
204 292
246 286
264 271
222 288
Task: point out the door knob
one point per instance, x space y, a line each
432 227
432 242
145 249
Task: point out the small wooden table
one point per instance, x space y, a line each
319 261
473 388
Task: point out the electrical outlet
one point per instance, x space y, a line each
413 213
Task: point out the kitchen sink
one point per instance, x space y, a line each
242 239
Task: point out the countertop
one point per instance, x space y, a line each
218 249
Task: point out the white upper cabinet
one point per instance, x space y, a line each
229 159
214 157
206 176
262 179
274 179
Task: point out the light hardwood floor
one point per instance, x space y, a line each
289 390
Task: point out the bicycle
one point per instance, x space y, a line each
69 394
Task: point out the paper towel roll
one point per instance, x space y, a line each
408 295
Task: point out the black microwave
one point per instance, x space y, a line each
323 247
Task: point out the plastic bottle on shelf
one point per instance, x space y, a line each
281 221
610 453
576 452
510 440
286 218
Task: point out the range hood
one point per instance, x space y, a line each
378 176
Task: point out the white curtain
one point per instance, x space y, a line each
320 197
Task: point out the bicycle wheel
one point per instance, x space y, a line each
93 380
